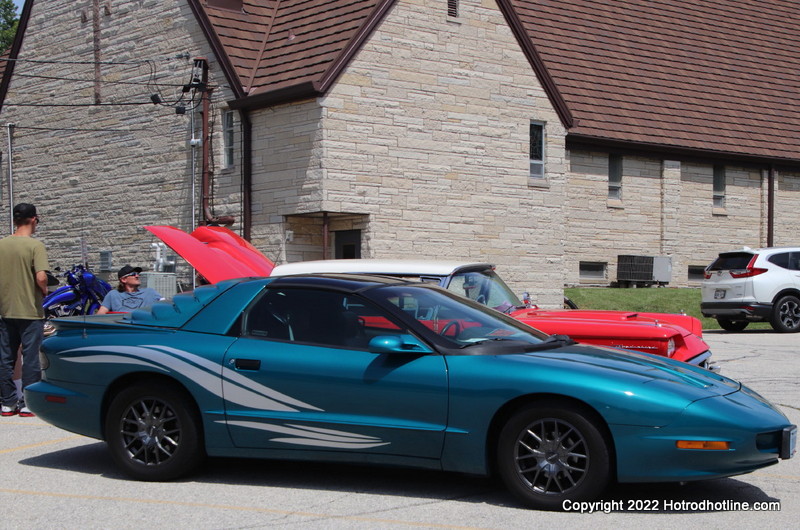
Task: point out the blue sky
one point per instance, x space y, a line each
19 4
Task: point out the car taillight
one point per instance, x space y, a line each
749 271
671 348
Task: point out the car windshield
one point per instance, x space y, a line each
484 287
460 321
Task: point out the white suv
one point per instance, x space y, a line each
754 285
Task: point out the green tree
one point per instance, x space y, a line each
8 24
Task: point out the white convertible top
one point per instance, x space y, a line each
390 267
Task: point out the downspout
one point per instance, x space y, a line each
247 173
10 174
208 216
325 226
771 206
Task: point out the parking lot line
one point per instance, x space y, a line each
272 511
40 444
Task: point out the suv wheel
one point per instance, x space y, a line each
732 325
786 314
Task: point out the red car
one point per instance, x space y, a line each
219 254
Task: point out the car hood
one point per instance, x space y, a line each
631 371
215 252
685 324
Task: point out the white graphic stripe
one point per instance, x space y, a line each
253 397
325 437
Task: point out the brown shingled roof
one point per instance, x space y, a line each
702 75
283 44
699 74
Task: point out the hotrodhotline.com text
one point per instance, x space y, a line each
652 505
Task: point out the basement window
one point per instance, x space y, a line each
696 273
592 271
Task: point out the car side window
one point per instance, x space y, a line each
310 316
782 260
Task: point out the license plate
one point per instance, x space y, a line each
789 445
719 294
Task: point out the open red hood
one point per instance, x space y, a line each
215 252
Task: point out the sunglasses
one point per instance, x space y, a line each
130 274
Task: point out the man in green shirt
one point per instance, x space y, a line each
23 285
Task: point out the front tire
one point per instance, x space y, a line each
153 432
552 452
786 315
732 325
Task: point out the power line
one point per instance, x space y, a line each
105 81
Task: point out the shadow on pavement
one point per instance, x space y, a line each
94 459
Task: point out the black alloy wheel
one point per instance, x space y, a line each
553 452
153 432
786 315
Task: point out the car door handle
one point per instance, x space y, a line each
247 364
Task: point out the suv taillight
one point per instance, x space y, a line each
749 271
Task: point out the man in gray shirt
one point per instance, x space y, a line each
129 294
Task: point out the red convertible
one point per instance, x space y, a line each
219 254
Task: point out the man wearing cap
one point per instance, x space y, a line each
23 285
129 295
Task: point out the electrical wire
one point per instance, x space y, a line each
104 81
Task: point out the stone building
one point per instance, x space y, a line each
549 138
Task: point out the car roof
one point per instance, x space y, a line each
379 266
761 250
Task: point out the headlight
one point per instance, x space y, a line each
671 348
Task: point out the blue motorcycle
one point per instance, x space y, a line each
82 294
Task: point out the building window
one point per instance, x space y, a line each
537 151
696 273
227 138
592 271
719 187
615 177
452 8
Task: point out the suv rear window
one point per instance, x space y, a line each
731 261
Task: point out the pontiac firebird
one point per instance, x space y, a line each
397 373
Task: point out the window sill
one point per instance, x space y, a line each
615 204
720 212
538 183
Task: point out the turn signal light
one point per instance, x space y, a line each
703 444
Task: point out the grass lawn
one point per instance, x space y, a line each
653 299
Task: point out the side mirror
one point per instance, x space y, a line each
406 344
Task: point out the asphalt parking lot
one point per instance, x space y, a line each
53 479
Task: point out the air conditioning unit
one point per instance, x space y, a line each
643 270
166 283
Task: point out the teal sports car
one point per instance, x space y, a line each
391 372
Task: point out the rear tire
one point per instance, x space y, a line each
786 315
551 452
732 325
153 432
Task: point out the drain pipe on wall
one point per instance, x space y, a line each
247 173
771 205
208 216
10 128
